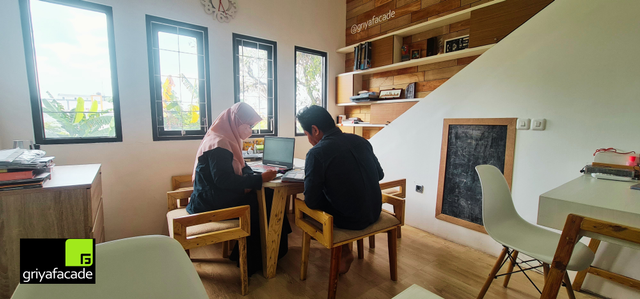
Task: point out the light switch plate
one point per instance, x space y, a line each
524 123
538 124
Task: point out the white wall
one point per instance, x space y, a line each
137 171
575 64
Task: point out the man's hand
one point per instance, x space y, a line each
268 175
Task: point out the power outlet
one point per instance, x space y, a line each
523 124
538 124
419 188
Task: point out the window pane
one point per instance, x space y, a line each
179 75
73 71
310 84
255 86
178 56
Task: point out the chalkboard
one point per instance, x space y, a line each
467 143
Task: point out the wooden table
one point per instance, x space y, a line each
606 200
270 231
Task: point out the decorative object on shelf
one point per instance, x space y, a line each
222 10
410 91
390 93
404 53
415 54
432 46
364 96
341 117
352 121
456 44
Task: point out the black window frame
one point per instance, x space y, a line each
34 89
295 78
153 26
236 78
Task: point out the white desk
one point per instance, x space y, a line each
606 200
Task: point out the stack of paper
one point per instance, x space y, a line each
22 169
24 159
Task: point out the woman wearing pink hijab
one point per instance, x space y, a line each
221 178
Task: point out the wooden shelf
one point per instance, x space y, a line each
425 60
439 22
378 102
363 125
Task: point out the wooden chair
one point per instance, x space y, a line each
183 182
574 228
396 188
319 225
207 228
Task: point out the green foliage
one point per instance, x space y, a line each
308 82
175 118
77 123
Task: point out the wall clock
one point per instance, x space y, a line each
222 10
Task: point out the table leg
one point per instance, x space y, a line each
271 232
262 211
577 282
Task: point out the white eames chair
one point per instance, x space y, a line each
503 224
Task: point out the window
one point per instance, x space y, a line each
254 66
311 80
178 74
71 66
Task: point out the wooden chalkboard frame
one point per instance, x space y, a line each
508 163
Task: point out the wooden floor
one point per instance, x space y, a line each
442 267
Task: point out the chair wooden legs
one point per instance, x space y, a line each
306 243
225 249
579 279
392 236
360 249
492 275
567 283
545 268
290 206
512 262
372 238
336 252
242 249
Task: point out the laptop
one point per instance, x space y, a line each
277 155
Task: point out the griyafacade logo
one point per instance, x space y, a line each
57 261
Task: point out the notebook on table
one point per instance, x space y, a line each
277 155
294 175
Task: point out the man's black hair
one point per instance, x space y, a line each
315 115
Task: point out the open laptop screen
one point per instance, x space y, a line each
278 151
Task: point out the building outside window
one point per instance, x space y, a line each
71 67
311 80
255 78
178 79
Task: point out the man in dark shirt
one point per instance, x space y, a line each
342 175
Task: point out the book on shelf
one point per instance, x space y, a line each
35 182
367 59
362 56
22 186
356 57
16 175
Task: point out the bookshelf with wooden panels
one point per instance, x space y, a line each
486 22
389 72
